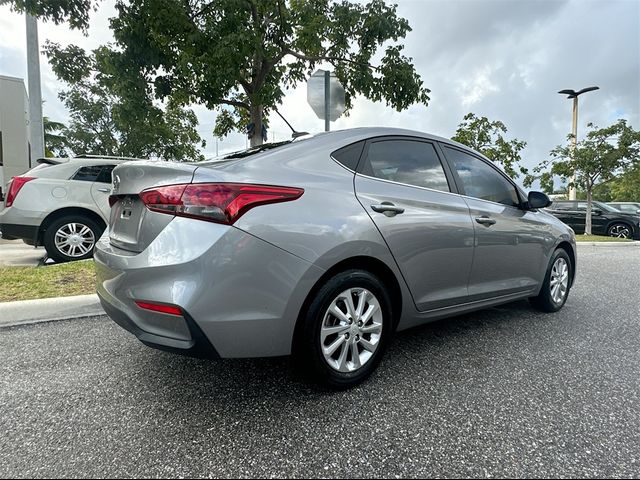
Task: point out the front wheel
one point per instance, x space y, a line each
71 238
557 283
346 329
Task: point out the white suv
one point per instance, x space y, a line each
62 204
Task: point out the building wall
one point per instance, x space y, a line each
14 129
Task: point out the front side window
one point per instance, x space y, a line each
406 161
480 180
88 174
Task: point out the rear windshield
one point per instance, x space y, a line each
248 152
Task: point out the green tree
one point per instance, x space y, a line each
108 117
600 157
487 137
55 142
626 188
239 56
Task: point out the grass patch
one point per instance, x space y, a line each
64 280
600 238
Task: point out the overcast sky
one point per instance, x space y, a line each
504 59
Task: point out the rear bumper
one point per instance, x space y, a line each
24 232
241 295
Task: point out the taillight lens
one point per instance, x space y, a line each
16 185
215 202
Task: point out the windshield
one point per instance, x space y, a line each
606 208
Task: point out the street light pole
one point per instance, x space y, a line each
574 130
36 131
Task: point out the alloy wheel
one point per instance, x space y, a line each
620 231
351 330
74 240
559 280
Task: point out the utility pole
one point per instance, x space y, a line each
327 100
36 127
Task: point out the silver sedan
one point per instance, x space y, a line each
323 247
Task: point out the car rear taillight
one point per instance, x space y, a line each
215 202
14 188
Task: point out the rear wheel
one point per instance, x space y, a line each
557 283
71 238
619 230
346 329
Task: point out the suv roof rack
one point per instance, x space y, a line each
107 157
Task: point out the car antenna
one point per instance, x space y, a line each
295 133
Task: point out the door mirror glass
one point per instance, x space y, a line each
538 200
596 211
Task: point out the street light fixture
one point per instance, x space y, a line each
573 94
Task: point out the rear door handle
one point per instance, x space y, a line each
388 208
104 190
485 221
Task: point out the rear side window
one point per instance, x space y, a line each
406 161
481 180
105 174
88 174
349 155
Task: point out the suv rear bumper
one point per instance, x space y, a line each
13 232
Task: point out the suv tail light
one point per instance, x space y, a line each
14 188
215 202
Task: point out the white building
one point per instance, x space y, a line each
14 130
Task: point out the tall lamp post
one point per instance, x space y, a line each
573 94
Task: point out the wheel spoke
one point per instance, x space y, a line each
331 349
348 300
339 314
368 345
342 360
328 331
369 313
355 356
373 328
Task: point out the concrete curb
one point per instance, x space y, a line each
609 244
28 312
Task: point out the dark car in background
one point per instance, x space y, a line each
605 219
626 207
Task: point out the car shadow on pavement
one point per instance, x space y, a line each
433 352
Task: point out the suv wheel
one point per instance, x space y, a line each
619 230
557 283
346 329
71 238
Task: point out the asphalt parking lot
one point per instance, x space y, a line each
504 392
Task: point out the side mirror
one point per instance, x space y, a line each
596 211
538 200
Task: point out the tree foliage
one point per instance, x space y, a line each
487 137
55 142
109 116
239 56
600 157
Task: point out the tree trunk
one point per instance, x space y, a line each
256 119
588 223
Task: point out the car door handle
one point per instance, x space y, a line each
485 221
388 208
104 190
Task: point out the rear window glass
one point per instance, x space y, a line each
88 174
349 155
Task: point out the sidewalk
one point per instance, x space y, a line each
17 253
49 309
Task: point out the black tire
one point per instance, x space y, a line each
620 230
308 350
545 301
60 256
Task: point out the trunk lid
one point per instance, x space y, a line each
132 226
